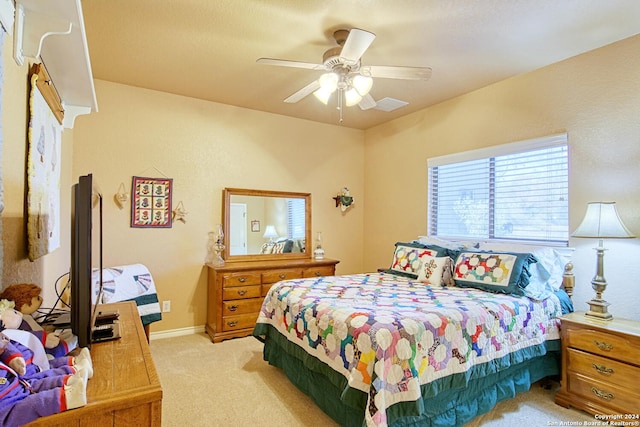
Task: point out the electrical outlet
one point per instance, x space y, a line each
166 306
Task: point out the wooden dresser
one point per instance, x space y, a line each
600 366
125 389
236 291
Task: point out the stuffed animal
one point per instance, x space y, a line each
30 392
27 300
26 297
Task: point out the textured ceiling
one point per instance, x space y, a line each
207 49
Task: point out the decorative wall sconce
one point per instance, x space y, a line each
179 213
344 199
121 197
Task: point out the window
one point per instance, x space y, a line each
515 191
295 219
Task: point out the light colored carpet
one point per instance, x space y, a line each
228 384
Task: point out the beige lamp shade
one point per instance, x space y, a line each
602 221
270 232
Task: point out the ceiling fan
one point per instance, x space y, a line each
345 73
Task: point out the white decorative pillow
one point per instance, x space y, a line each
433 270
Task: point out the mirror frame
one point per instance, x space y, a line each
226 224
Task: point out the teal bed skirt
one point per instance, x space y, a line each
446 402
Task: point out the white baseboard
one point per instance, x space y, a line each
172 333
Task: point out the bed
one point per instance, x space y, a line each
436 339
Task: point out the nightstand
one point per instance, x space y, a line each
600 365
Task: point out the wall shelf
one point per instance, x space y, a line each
52 32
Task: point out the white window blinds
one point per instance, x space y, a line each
295 218
515 191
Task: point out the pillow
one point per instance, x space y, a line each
282 246
507 273
435 270
546 275
456 245
407 259
267 248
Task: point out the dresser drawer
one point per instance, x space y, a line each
241 279
597 342
266 288
241 321
241 306
606 394
241 292
274 276
603 369
328 270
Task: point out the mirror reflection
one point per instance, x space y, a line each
266 224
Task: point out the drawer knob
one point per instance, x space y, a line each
232 323
242 292
602 369
282 276
602 394
318 274
235 307
242 279
603 345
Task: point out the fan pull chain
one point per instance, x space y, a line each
340 97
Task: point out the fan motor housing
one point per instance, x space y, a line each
331 60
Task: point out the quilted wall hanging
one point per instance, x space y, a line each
43 170
151 203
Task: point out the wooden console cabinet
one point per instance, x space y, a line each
125 389
600 366
236 291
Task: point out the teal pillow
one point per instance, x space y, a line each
505 272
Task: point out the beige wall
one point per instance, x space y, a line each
594 97
205 147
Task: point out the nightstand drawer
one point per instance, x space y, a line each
240 292
278 275
319 271
241 279
603 369
604 344
606 394
241 306
242 321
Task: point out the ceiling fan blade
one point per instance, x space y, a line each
287 63
367 102
356 44
405 73
307 90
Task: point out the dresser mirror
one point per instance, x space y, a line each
261 224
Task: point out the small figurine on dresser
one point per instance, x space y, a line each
27 300
32 386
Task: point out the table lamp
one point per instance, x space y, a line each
602 222
270 233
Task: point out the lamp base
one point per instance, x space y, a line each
598 309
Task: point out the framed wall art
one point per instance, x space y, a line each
151 202
255 225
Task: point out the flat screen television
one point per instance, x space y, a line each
85 288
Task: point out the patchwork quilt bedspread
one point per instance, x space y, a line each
389 335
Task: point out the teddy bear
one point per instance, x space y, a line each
28 391
27 300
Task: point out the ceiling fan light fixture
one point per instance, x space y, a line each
329 82
323 95
351 97
362 84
